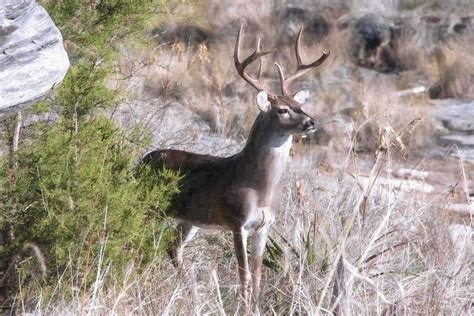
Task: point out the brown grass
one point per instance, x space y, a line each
358 234
391 244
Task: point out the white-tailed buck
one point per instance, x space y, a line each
241 193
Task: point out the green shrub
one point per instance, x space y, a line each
69 194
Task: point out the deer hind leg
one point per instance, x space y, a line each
259 241
184 234
240 244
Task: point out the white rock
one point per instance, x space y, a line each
173 126
464 140
409 173
456 115
405 185
32 57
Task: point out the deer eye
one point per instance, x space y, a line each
283 111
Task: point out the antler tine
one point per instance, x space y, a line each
260 67
282 77
240 66
297 46
301 68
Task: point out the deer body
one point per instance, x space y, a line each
215 189
239 193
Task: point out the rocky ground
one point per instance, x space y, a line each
457 118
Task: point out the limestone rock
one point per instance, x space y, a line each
462 140
374 41
173 125
457 116
292 17
32 57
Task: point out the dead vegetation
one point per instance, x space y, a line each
363 237
357 232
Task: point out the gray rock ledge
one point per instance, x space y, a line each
32 57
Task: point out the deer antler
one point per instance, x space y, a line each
301 68
240 66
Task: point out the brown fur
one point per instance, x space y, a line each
237 193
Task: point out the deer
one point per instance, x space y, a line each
241 193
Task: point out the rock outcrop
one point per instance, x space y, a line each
292 17
373 42
458 119
33 60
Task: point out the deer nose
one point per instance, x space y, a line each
310 125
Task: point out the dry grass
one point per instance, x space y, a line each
201 75
358 234
392 245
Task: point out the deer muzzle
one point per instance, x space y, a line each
310 125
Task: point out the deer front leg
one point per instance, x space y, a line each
184 233
240 244
258 247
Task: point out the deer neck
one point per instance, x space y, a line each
267 151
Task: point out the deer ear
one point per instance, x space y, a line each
302 96
262 101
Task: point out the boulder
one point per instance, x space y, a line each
458 139
457 116
433 30
290 18
33 60
173 125
373 42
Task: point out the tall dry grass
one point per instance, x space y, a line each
357 233
358 236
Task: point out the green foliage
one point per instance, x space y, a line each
275 255
94 26
70 191
73 193
91 30
77 100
